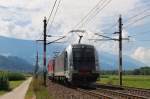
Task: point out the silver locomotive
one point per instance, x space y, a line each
77 64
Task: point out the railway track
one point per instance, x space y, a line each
65 92
145 93
62 92
119 94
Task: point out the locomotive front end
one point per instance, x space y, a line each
85 64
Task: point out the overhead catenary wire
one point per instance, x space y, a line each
51 12
112 26
96 13
93 11
137 8
87 15
130 18
54 15
139 40
136 15
137 20
140 33
56 40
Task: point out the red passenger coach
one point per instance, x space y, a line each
51 67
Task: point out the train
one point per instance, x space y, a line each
77 64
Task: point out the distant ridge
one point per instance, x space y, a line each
110 62
26 50
13 63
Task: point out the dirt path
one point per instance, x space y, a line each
19 92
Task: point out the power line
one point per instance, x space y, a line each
135 21
141 41
139 7
141 33
51 11
56 40
87 15
109 28
54 14
138 14
132 17
96 13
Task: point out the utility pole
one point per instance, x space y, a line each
36 65
120 46
44 49
120 50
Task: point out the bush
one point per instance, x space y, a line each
15 76
4 82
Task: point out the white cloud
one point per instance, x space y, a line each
24 18
142 54
69 14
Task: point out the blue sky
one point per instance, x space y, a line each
23 19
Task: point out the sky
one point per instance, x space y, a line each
23 19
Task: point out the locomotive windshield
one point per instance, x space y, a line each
84 58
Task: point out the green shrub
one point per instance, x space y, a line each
15 76
4 82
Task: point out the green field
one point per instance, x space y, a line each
12 84
139 81
3 92
37 89
9 81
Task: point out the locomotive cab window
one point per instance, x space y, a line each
84 57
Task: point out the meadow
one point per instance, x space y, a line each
37 89
10 80
138 81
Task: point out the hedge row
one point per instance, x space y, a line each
4 82
5 77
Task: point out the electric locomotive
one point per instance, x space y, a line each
77 64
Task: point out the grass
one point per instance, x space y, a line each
12 84
2 92
36 89
30 92
138 81
10 80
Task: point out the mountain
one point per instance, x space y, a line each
111 62
13 63
26 49
16 47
